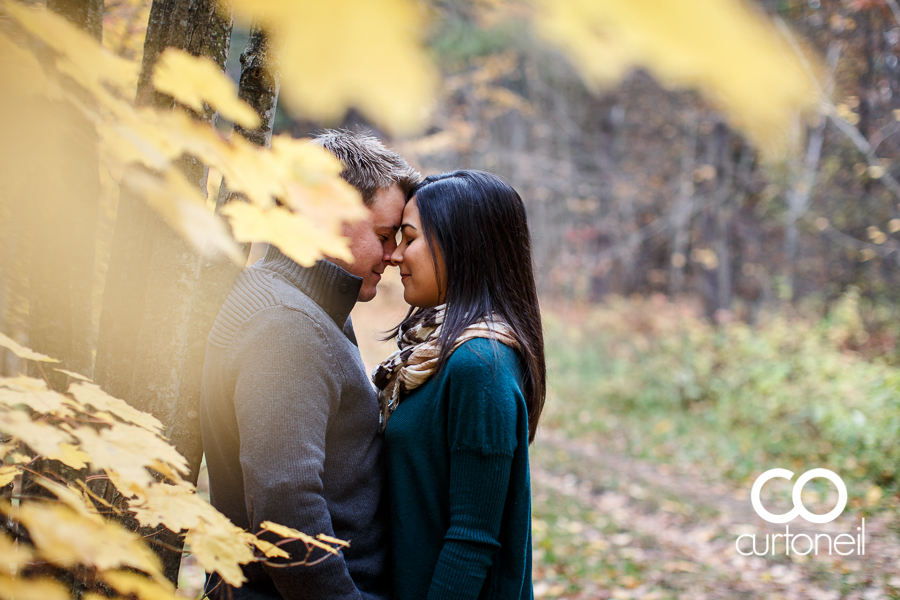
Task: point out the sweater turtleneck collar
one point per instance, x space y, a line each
328 285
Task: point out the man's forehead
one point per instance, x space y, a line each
387 208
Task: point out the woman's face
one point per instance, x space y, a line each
424 283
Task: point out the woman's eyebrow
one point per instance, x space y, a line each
405 225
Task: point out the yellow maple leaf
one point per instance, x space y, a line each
295 235
5 449
7 474
89 394
44 439
22 351
70 455
193 80
269 549
165 470
139 135
176 506
21 66
33 392
128 584
332 540
184 210
722 47
291 533
73 375
81 56
13 556
128 451
74 500
64 537
24 384
222 549
18 588
351 53
47 401
313 183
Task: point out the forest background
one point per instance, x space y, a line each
719 285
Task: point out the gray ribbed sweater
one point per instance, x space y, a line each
290 427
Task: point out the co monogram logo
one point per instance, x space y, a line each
799 509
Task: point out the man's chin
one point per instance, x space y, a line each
366 295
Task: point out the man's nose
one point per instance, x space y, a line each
390 247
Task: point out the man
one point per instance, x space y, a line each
289 418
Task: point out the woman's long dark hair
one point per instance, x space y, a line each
478 222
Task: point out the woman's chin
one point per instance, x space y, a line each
415 302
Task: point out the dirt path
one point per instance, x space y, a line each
676 536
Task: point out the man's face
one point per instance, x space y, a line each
373 240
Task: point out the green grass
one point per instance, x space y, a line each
659 383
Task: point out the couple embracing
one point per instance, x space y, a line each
426 472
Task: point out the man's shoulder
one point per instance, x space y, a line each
262 295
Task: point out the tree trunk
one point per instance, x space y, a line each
153 273
684 207
798 198
61 214
259 86
62 227
724 203
87 14
800 194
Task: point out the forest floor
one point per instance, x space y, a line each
607 525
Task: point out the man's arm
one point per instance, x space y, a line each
287 386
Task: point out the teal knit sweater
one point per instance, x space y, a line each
457 456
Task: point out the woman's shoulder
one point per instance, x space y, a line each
484 394
485 357
480 353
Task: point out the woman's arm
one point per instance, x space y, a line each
478 484
485 398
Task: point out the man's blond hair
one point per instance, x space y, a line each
368 165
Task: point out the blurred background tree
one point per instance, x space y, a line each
642 188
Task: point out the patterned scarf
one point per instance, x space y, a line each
417 357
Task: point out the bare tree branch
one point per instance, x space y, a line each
828 108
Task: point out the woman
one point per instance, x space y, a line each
462 396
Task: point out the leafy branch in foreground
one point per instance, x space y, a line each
63 537
295 196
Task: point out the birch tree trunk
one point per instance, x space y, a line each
684 207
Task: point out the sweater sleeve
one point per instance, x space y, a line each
481 438
286 387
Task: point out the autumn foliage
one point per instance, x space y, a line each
92 432
59 84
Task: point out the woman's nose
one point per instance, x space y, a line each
397 256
